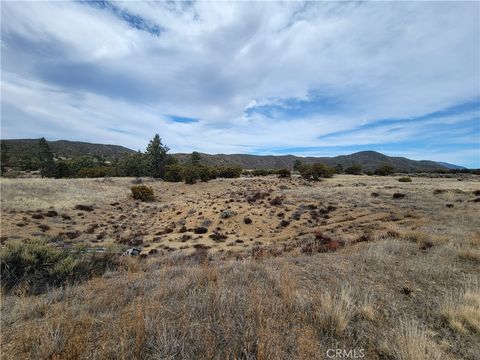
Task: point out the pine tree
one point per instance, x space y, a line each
45 157
195 158
156 156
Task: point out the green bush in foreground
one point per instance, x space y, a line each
143 193
405 179
35 265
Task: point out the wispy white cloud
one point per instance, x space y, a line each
77 71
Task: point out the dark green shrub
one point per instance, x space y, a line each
79 163
63 169
229 172
173 173
284 173
134 164
190 174
384 170
405 179
316 171
261 172
95 172
205 173
35 265
143 193
355 169
213 173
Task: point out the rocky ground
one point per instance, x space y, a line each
251 268
225 215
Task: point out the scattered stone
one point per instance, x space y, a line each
72 234
44 227
218 237
427 244
135 241
200 230
91 229
284 223
225 214
84 207
276 201
407 290
185 237
206 223
51 213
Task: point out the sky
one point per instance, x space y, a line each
303 78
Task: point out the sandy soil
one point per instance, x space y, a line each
226 215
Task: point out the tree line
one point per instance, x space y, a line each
155 162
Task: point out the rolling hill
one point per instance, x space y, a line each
64 148
369 160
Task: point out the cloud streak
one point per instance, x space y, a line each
245 77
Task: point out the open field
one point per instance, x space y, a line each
253 268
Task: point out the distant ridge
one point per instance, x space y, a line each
369 160
451 166
65 148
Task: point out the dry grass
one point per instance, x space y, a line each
413 343
376 293
32 194
462 310
335 311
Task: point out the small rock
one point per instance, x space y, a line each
44 227
284 223
200 230
84 207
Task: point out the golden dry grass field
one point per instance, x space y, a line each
252 268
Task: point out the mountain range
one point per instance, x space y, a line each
369 160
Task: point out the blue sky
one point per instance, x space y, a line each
309 79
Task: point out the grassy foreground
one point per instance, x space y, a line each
402 286
387 299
